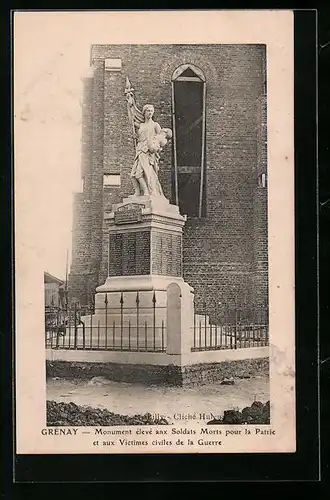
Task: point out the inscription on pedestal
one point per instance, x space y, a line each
129 253
139 249
176 244
115 254
143 252
166 254
128 214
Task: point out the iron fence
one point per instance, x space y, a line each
236 327
121 326
136 322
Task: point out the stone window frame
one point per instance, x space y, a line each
111 185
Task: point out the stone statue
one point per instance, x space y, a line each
149 139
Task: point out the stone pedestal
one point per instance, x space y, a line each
145 246
145 258
145 239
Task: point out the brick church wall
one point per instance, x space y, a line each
225 253
260 222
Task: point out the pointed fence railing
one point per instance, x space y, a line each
116 327
132 323
234 327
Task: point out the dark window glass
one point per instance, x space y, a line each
188 118
188 185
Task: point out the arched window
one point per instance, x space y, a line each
188 106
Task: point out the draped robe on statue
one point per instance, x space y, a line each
146 163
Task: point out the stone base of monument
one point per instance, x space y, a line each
144 262
138 315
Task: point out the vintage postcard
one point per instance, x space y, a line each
154 232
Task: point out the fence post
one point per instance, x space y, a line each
180 319
106 317
57 329
121 319
137 300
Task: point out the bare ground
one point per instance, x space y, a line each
168 402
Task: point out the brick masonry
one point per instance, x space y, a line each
160 375
225 253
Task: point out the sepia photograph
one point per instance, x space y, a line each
154 234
